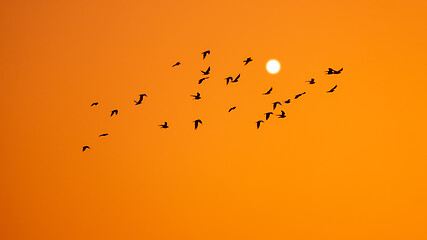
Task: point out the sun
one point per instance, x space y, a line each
273 66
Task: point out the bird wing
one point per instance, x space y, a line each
334 87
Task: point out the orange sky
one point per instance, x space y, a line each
346 165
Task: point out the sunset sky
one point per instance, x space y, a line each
345 165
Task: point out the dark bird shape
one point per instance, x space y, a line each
282 115
258 123
248 60
268 92
197 96
206 53
103 135
311 81
85 147
288 101
94 104
176 64
203 79
267 115
141 96
196 123
332 71
114 112
207 71
228 79
299 95
236 79
332 89
165 125
275 105
231 109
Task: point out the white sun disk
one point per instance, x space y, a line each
273 66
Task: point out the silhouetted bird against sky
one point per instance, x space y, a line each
299 95
282 115
103 135
236 79
203 79
141 96
115 111
288 101
311 81
332 90
176 64
196 123
275 105
206 53
85 147
248 60
165 125
258 123
207 71
267 115
268 92
332 71
231 109
94 104
197 96
228 79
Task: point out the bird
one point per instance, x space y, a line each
176 64
196 123
311 81
268 92
206 53
248 60
94 104
85 147
258 123
275 105
197 96
202 79
332 71
236 79
141 96
115 111
228 79
206 72
103 135
267 115
231 109
299 95
288 101
332 89
165 125
282 115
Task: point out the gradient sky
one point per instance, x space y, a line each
346 165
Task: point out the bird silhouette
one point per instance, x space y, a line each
115 111
332 71
197 96
311 81
332 89
207 71
248 60
206 53
94 104
288 101
165 125
103 135
268 92
196 123
282 115
275 105
141 96
176 64
203 79
267 115
236 79
85 147
231 109
228 79
258 123
299 95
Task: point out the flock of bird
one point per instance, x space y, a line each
197 96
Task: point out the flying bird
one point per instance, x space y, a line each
176 64
141 96
258 123
288 101
103 135
206 72
332 90
267 115
299 95
206 53
268 92
282 115
197 96
231 109
275 105
311 81
196 123
228 79
248 60
94 104
201 80
115 111
85 147
165 125
236 79
332 71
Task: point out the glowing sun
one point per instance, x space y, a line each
273 66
